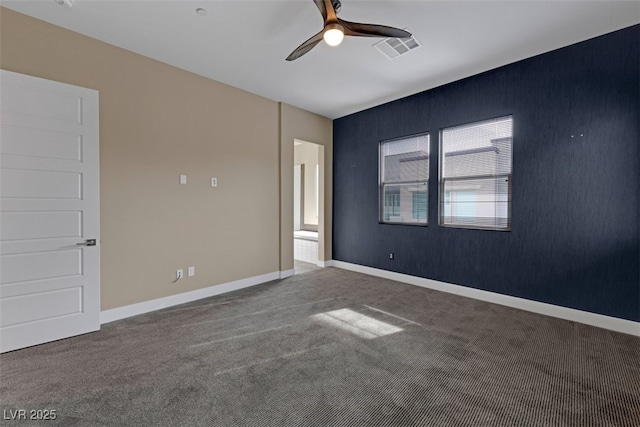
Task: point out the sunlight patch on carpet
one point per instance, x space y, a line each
356 323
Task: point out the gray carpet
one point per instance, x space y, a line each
302 267
331 348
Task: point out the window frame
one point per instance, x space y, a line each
381 184
441 180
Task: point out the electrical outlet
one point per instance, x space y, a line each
391 255
214 182
191 271
179 274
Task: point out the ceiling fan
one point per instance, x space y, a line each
335 29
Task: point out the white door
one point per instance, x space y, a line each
49 209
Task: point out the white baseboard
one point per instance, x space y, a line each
593 319
328 263
160 303
287 273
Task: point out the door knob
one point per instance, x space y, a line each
88 242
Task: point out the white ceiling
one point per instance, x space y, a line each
244 43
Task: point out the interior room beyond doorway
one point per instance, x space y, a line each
306 201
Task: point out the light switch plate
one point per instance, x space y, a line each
183 179
191 271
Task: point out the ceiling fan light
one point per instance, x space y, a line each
334 34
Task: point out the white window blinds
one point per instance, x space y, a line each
475 186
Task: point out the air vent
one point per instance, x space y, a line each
393 48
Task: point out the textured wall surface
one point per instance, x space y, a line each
575 237
157 122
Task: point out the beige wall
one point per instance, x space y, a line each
303 125
157 122
307 154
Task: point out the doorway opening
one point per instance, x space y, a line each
307 195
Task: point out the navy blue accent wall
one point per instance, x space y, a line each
575 238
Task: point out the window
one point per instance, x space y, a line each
420 205
391 203
475 175
404 180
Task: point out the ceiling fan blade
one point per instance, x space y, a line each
327 10
306 46
372 30
322 8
